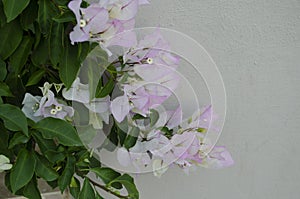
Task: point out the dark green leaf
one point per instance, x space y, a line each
4 138
67 16
10 38
17 88
61 2
106 174
29 15
12 8
74 187
19 57
54 156
65 179
87 190
14 119
18 138
40 55
22 171
59 129
43 170
3 70
69 65
128 182
47 10
56 42
131 137
106 89
4 90
2 15
31 190
35 77
44 144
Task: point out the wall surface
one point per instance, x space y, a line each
256 45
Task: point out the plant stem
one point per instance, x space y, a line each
107 190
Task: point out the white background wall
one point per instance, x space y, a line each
256 45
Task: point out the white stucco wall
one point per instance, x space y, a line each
256 45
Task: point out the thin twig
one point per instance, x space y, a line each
107 190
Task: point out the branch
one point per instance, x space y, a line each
107 190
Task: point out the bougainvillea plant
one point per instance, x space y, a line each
56 56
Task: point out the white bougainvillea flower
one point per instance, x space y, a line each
78 92
120 107
49 107
124 9
174 118
218 158
45 88
30 105
90 20
4 163
159 167
99 110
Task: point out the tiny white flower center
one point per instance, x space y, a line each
53 111
82 23
58 108
35 107
150 61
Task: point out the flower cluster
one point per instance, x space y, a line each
103 21
145 76
39 107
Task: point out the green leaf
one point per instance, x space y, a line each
35 77
29 15
54 156
65 179
128 182
67 16
40 55
56 42
106 89
14 119
4 140
154 116
22 171
4 90
94 65
2 15
19 57
44 144
47 10
18 138
106 174
74 187
13 8
43 170
31 190
10 38
69 65
61 130
87 190
3 71
131 137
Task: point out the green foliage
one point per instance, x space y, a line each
12 8
13 118
35 48
64 132
87 190
22 171
10 38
